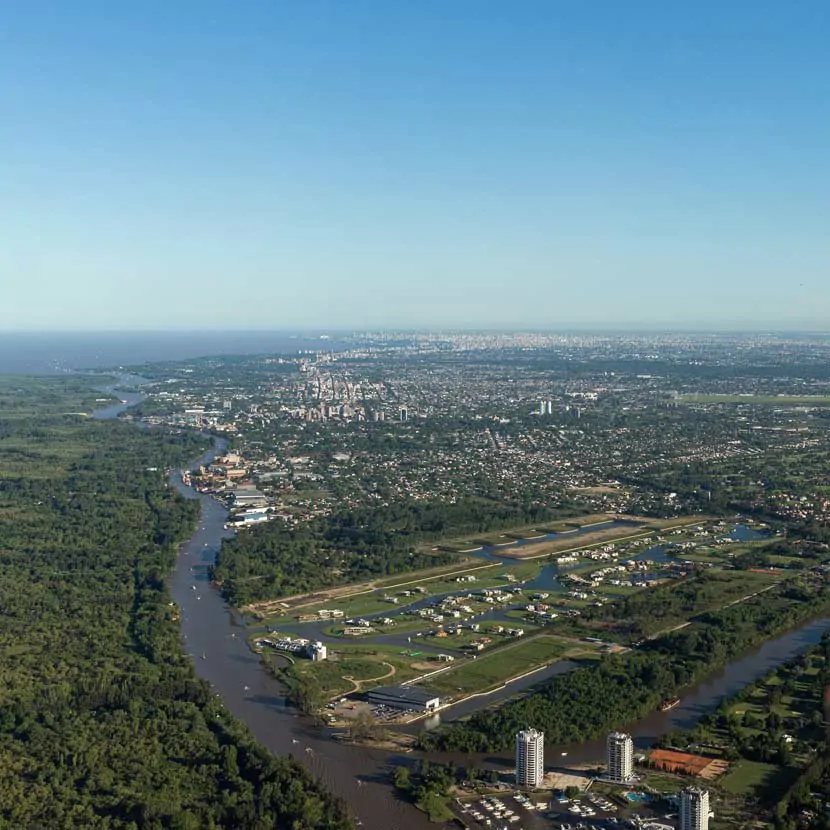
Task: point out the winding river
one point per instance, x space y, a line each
216 640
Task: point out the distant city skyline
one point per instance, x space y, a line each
423 166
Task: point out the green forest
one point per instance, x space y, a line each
647 612
280 559
103 723
622 688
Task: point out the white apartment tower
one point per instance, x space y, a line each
620 757
530 758
694 809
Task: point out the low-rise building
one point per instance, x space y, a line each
406 698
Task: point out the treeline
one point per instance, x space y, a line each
808 552
767 736
280 559
647 612
622 688
103 722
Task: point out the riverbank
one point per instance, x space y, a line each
767 733
215 637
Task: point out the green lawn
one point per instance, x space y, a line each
365 664
492 670
662 782
755 778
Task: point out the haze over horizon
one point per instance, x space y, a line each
368 165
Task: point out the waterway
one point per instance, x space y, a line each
126 398
215 639
495 553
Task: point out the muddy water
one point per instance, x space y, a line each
217 644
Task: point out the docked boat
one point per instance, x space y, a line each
669 703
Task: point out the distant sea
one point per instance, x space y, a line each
43 354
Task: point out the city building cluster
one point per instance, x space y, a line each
555 422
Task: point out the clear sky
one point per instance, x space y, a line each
418 163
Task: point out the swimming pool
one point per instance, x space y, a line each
637 797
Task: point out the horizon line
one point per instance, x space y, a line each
323 331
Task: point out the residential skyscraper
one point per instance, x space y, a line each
619 756
694 809
530 758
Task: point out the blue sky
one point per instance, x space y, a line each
440 163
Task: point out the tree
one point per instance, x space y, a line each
402 780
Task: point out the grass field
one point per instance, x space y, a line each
788 700
754 778
662 782
382 664
492 670
649 612
487 575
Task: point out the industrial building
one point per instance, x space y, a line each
530 758
619 757
405 698
694 809
246 495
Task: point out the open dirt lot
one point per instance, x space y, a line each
583 540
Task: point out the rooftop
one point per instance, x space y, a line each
404 694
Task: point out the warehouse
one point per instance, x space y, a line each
403 697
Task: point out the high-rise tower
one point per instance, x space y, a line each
530 758
694 809
620 756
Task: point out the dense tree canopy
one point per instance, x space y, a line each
281 559
103 723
